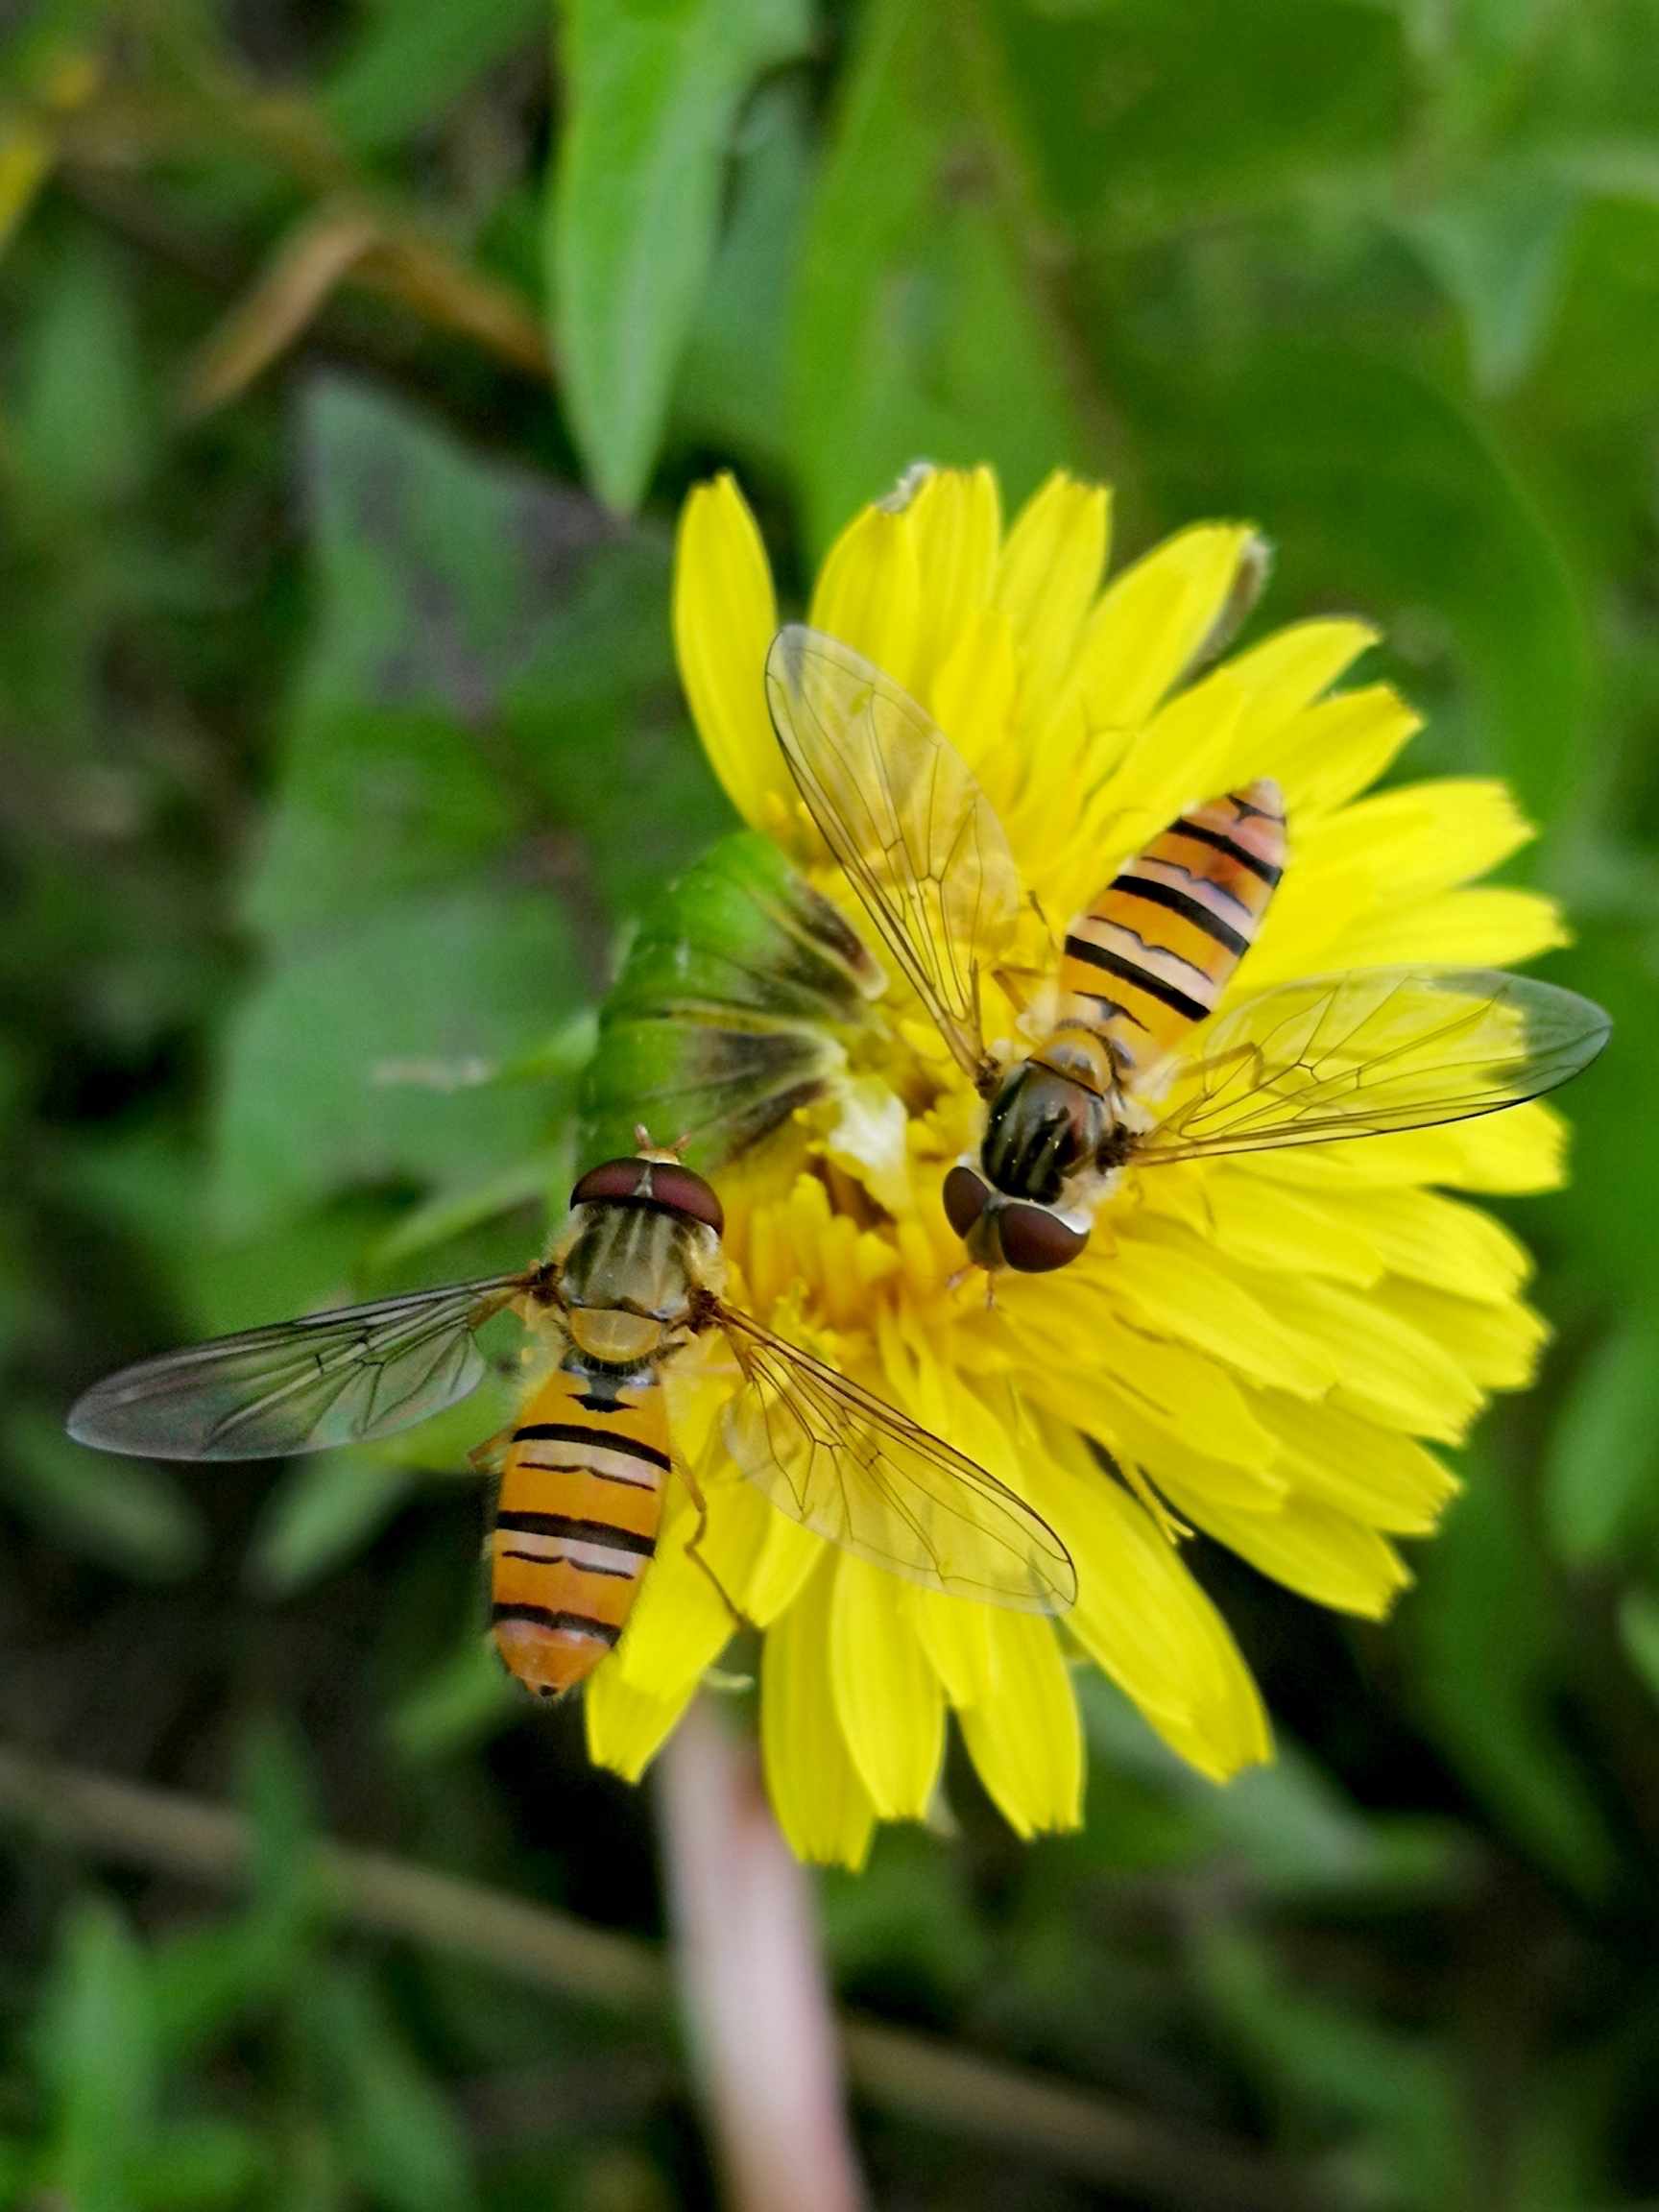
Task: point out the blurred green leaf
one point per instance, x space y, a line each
921 329
1604 1447
96 2047
127 1513
1500 247
398 2138
462 1701
413 58
1385 495
732 388
323 1082
81 427
1480 1629
325 1509
654 92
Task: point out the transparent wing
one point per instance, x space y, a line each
901 810
1359 1054
854 1469
340 1377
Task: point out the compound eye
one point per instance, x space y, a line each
687 1193
612 1179
964 1196
1036 1241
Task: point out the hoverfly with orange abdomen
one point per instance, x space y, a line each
635 1276
1133 1066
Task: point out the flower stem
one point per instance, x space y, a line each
751 1982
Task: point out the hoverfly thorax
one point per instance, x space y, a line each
1044 1128
643 1242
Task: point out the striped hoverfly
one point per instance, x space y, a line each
635 1276
1132 1066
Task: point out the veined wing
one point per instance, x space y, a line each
857 1470
1355 1055
902 811
340 1377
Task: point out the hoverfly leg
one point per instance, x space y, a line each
486 1459
694 1543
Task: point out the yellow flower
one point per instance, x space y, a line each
1268 1343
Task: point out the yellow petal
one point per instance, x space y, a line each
1481 928
1048 574
1436 1240
1181 756
1497 1346
1386 1368
1177 1288
1374 1475
956 1636
1267 1226
1024 1738
973 693
628 1726
1066 1336
1325 755
1144 1619
1521 1149
1152 619
868 592
1289 670
955 523
887 1697
822 1805
1310 1548
680 1624
1426 837
723 617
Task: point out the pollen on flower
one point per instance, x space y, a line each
1262 1348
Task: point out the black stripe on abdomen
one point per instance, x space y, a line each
1193 910
577 1531
544 1615
1202 835
578 1432
1126 971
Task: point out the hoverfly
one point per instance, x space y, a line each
635 1276
1132 1068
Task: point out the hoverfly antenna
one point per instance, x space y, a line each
642 1137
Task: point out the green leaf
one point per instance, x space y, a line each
326 1509
1384 496
732 390
396 2136
654 87
1604 1447
461 1703
95 2041
413 59
198 2162
126 1513
1479 1631
920 330
323 1060
82 427
1499 247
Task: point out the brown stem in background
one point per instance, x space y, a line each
751 1982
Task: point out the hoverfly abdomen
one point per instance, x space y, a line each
1157 948
576 1522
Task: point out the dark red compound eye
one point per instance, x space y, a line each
964 1196
662 1183
685 1193
612 1179
1036 1241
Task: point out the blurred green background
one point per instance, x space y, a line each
354 357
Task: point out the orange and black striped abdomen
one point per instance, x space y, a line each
575 1525
1157 948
